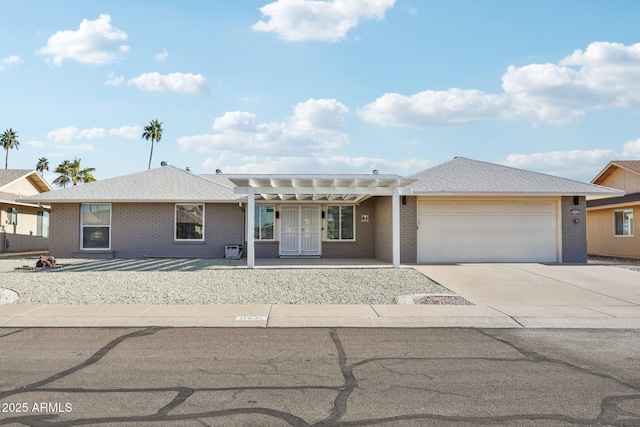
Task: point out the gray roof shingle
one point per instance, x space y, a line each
459 176
466 176
162 184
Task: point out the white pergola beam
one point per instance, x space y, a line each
395 225
251 220
375 191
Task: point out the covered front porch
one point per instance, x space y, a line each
305 210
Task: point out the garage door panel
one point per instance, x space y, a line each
487 231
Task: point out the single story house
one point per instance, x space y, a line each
24 226
460 211
610 221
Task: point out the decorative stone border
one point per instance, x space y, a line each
7 296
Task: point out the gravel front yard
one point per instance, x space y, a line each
206 281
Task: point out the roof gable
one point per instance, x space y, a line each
13 176
466 176
162 184
632 166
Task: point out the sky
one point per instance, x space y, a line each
310 86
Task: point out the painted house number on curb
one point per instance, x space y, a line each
251 318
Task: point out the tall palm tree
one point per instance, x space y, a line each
71 172
9 140
152 132
43 165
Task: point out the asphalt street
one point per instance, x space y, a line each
300 377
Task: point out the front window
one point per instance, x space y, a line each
340 222
42 228
12 216
189 222
623 222
96 226
263 229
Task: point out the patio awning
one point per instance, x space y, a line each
348 188
316 188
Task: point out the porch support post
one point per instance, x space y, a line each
395 224
251 220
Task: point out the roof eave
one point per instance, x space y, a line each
520 193
49 201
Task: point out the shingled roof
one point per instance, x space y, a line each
162 184
472 177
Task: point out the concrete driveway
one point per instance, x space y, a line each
551 295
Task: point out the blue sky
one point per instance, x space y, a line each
296 86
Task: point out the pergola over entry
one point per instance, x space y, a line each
319 188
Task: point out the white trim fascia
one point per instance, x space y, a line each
603 195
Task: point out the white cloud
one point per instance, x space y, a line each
162 56
434 108
631 150
94 42
113 80
71 133
174 82
10 60
317 126
325 114
605 75
300 20
559 159
65 134
578 164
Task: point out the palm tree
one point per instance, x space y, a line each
81 175
71 172
152 132
64 169
9 140
43 165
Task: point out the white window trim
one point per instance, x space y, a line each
175 223
258 223
326 223
633 223
82 248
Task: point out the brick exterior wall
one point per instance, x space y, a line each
364 246
574 231
408 230
383 241
64 230
147 229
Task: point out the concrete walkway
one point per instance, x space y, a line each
505 296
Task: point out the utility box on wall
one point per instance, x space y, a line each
233 251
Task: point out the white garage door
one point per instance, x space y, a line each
493 231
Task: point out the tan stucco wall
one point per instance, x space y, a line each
22 187
623 180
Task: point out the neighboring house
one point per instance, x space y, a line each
24 226
610 222
460 211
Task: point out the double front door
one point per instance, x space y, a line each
300 230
